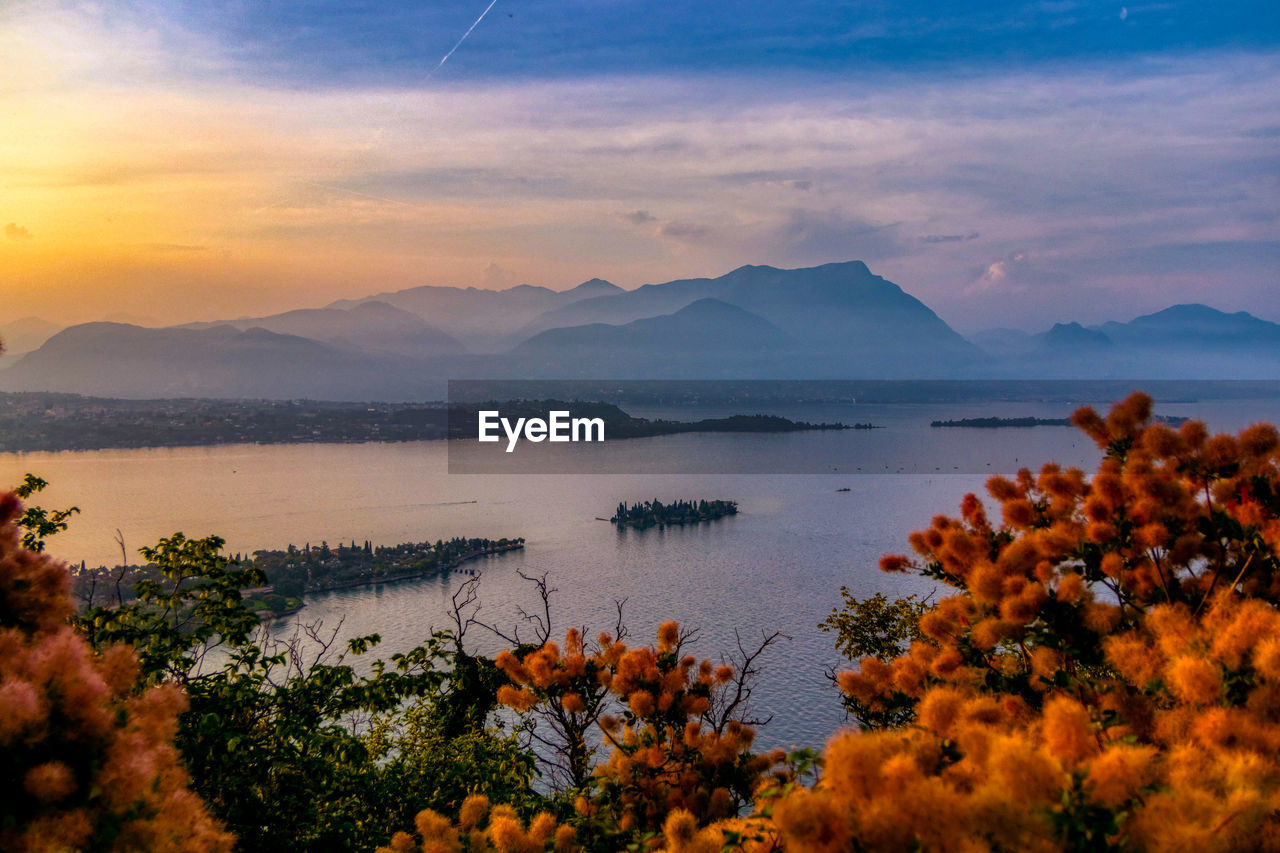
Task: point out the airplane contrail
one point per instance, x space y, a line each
333 188
461 40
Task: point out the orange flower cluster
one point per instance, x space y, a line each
84 761
480 828
1108 674
573 680
667 752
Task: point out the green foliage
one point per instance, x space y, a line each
177 620
420 763
277 735
37 522
875 627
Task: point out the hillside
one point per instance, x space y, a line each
706 337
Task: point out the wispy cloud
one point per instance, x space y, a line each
1091 171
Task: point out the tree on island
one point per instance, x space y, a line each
656 513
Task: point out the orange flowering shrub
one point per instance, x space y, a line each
679 756
85 763
480 827
668 749
1106 677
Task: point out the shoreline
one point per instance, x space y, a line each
441 569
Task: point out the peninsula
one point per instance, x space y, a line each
293 572
38 421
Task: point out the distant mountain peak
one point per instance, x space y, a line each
26 334
712 307
1074 335
856 267
595 285
1193 311
374 305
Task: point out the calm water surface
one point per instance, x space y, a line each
778 565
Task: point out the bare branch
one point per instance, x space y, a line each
469 593
466 596
124 567
542 623
620 627
732 702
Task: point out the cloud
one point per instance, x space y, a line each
176 247
323 188
690 232
1003 275
640 217
816 236
498 277
14 231
1023 273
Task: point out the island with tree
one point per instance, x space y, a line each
996 423
293 572
657 514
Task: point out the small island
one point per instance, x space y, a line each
293 572
996 423
657 514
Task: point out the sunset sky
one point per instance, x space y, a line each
1010 163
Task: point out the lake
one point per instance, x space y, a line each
778 565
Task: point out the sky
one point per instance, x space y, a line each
1012 164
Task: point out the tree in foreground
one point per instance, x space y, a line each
675 732
288 743
87 761
1106 676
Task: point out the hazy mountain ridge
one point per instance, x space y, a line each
1182 341
26 334
486 320
706 337
837 321
1194 324
121 360
373 326
852 323
785 297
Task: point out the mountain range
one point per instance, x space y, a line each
26 334
1180 342
489 320
836 321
